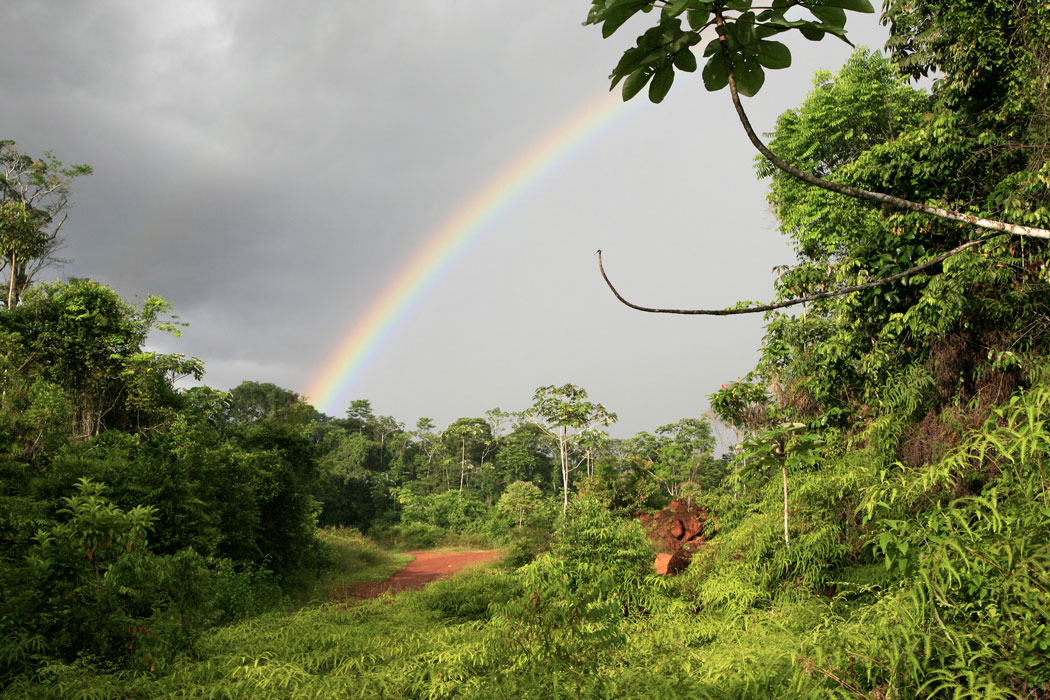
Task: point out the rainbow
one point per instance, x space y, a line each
445 244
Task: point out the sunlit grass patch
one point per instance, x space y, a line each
356 559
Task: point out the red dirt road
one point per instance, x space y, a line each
425 568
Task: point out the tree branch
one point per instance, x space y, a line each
801 300
878 197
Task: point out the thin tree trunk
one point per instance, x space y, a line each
563 448
784 472
11 284
462 462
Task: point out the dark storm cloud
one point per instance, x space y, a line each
269 166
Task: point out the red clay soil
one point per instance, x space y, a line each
425 568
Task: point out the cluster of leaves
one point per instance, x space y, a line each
668 46
866 128
913 408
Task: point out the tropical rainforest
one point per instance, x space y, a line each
878 525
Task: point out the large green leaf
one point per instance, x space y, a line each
773 54
676 8
749 75
596 13
661 83
635 82
764 31
714 74
685 60
629 63
697 19
833 16
745 28
812 33
616 14
854 5
839 32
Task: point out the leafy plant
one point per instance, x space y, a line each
789 445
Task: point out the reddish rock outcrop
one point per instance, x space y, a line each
676 532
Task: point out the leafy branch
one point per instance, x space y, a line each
738 58
839 188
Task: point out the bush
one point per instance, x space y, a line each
582 592
448 510
470 597
93 589
597 550
239 593
524 544
414 535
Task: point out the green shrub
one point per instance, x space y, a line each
524 544
469 597
406 536
448 510
348 548
239 593
597 551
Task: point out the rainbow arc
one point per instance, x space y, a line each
331 384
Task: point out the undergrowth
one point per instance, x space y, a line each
355 559
900 582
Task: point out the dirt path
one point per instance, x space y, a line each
426 567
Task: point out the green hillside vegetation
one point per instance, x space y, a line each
880 530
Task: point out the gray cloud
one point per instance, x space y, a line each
268 167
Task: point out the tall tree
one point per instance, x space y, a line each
468 438
426 440
84 338
360 415
864 126
679 455
525 455
521 501
565 414
385 426
251 401
34 194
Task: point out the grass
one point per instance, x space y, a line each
375 649
355 560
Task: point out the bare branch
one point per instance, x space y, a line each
801 300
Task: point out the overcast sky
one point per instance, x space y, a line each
269 166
